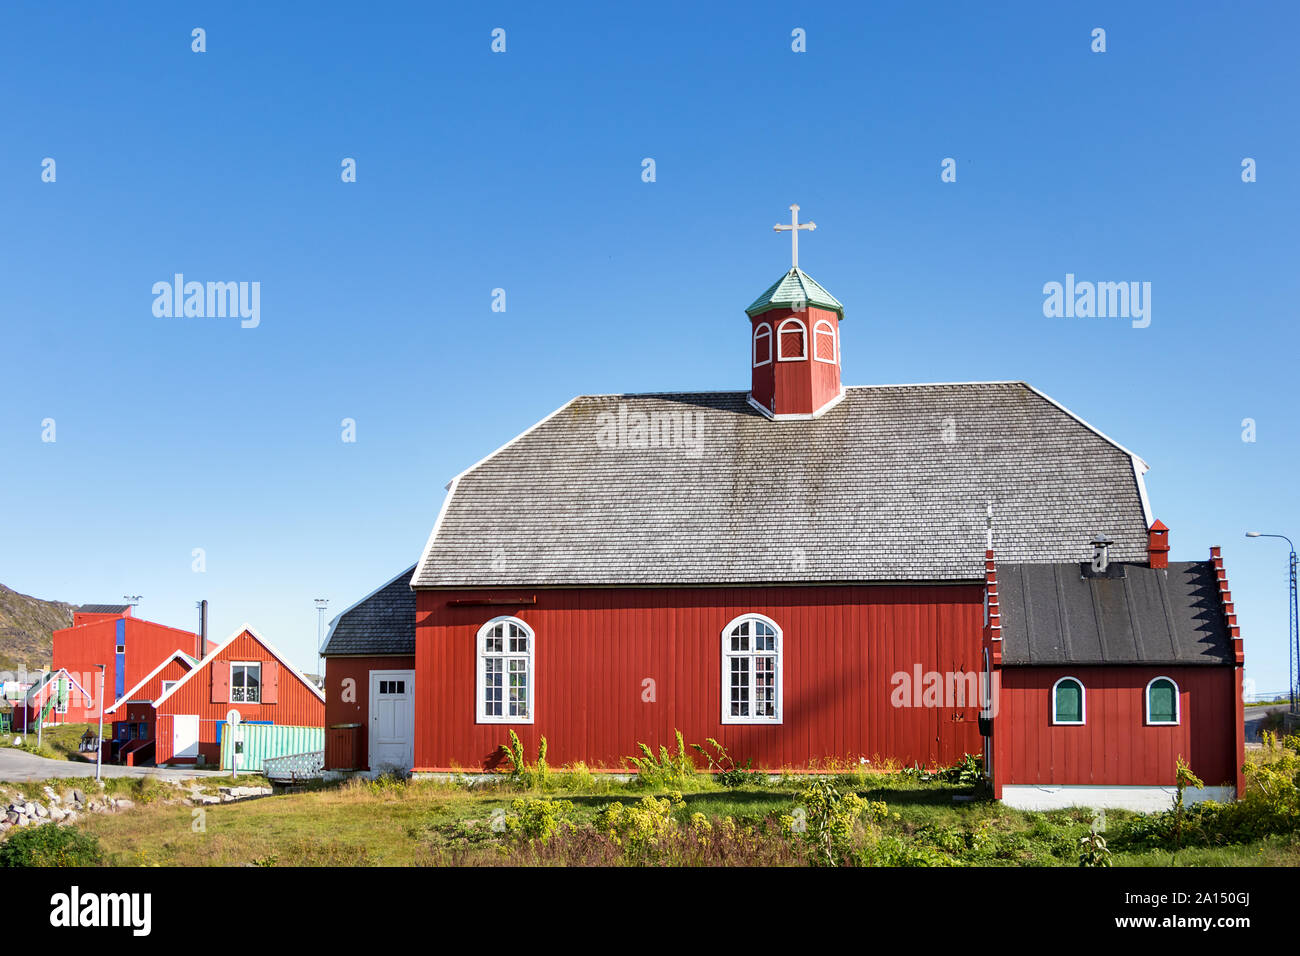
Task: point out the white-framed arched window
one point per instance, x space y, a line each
751 671
791 341
1162 702
506 689
1068 704
762 344
824 345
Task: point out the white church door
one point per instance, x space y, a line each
392 720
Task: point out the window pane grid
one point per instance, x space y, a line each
751 662
506 659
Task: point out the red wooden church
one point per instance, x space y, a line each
805 572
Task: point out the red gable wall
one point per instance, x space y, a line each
285 699
80 649
151 691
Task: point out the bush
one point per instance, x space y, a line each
538 819
665 771
529 776
891 851
639 828
47 844
1269 806
726 771
829 822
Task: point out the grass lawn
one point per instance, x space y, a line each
388 823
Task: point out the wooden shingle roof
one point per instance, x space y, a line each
891 484
381 623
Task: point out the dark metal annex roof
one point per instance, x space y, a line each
102 608
1053 614
381 623
890 484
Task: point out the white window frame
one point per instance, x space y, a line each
835 345
244 689
167 685
803 335
480 673
728 654
1083 703
763 330
1178 703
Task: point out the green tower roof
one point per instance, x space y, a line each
794 287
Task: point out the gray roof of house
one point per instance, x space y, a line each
383 622
891 483
1053 614
102 608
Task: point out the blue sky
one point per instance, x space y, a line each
522 171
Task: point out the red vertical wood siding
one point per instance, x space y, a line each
799 386
350 750
1115 746
80 649
297 705
595 647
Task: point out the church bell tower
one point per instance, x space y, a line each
795 341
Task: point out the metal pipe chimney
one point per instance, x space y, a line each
203 629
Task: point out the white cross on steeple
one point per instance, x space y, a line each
793 229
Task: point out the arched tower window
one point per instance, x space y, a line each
792 341
762 344
824 349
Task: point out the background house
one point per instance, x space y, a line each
243 673
127 646
130 723
50 699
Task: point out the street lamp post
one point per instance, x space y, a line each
1293 624
99 743
321 604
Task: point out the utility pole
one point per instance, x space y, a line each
1293 629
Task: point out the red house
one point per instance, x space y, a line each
129 723
243 673
127 646
53 694
797 570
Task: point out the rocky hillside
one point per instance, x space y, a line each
26 625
